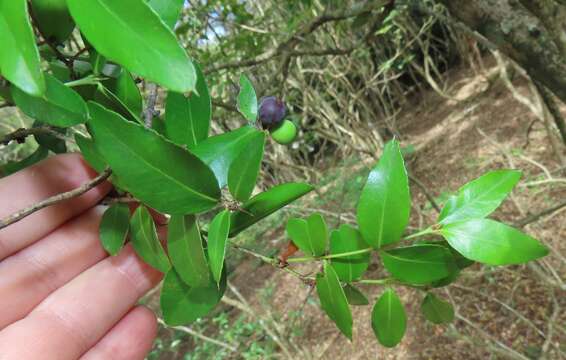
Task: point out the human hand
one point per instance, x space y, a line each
61 296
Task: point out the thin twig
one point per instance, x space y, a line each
199 335
425 191
20 134
287 47
21 214
535 217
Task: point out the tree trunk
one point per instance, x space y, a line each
532 35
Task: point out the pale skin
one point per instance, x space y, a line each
61 296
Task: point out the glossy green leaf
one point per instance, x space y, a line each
49 141
461 261
97 61
385 202
419 264
187 119
446 280
355 296
480 197
60 106
243 172
114 227
130 33
184 244
19 58
163 175
89 153
145 241
121 95
219 152
310 235
217 241
53 19
388 319
265 204
12 167
168 10
344 240
437 310
59 70
247 99
333 300
490 242
182 304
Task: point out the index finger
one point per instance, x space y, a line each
52 176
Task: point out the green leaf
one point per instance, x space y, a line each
480 197
168 10
14 166
121 95
419 264
89 153
49 141
310 235
19 58
184 245
114 228
385 202
53 19
243 172
461 262
59 106
161 174
355 296
219 152
388 319
265 204
437 310
97 61
217 240
490 242
182 304
247 99
344 240
144 239
130 33
333 300
187 119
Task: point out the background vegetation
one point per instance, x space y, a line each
355 74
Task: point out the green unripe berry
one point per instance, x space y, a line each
285 133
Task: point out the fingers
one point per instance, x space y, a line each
130 339
30 275
52 176
72 319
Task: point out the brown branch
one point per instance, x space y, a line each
150 109
224 105
535 217
20 134
55 199
287 47
553 109
425 191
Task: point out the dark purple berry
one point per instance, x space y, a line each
272 111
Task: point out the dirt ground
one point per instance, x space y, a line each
513 312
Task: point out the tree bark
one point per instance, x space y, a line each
536 43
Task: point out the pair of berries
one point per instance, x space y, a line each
272 112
